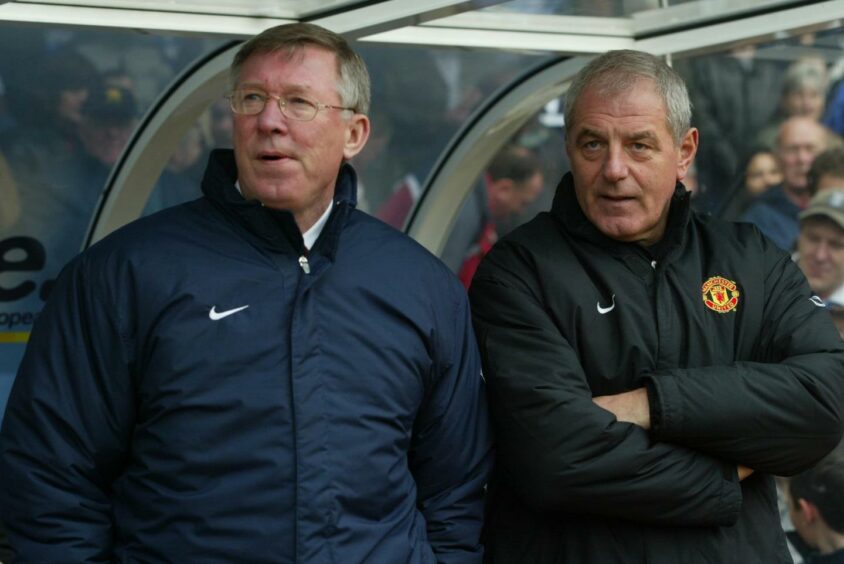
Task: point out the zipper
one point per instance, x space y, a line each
303 262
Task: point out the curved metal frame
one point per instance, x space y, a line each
156 138
134 177
451 180
477 143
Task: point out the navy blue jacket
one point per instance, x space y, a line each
776 216
191 394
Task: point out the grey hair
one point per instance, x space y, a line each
353 84
805 73
615 71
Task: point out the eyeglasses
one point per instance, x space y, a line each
252 102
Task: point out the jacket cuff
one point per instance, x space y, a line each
731 497
664 401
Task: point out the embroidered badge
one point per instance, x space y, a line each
720 294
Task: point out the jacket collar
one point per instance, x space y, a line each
567 210
275 229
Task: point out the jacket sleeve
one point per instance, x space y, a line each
555 447
780 412
451 454
66 429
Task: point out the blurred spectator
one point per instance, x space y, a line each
377 171
221 124
820 245
59 213
7 120
119 78
108 121
827 170
760 172
10 210
816 506
406 192
512 181
543 134
426 95
181 178
775 212
732 100
803 94
138 58
837 312
409 86
47 132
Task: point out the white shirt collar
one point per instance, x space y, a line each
837 297
311 235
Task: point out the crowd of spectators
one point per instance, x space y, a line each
69 105
763 119
777 160
771 150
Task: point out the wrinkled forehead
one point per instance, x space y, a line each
293 53
802 134
615 93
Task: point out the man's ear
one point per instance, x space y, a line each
357 133
808 509
686 152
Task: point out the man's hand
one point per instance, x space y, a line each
744 472
629 407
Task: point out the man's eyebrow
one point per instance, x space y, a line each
646 135
587 132
288 88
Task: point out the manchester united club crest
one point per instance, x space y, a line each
720 294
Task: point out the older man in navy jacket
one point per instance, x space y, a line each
265 374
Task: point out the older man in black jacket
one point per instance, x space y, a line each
649 368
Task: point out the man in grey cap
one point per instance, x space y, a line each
820 245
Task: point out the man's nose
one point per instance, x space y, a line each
271 119
615 165
806 155
821 252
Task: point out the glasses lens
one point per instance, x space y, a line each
299 109
247 102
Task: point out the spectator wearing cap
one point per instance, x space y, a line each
108 118
816 507
820 245
60 212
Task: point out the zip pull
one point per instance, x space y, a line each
303 262
653 264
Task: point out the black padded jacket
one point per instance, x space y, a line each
742 365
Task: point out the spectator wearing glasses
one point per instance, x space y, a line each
264 374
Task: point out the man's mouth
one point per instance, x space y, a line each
617 199
272 157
